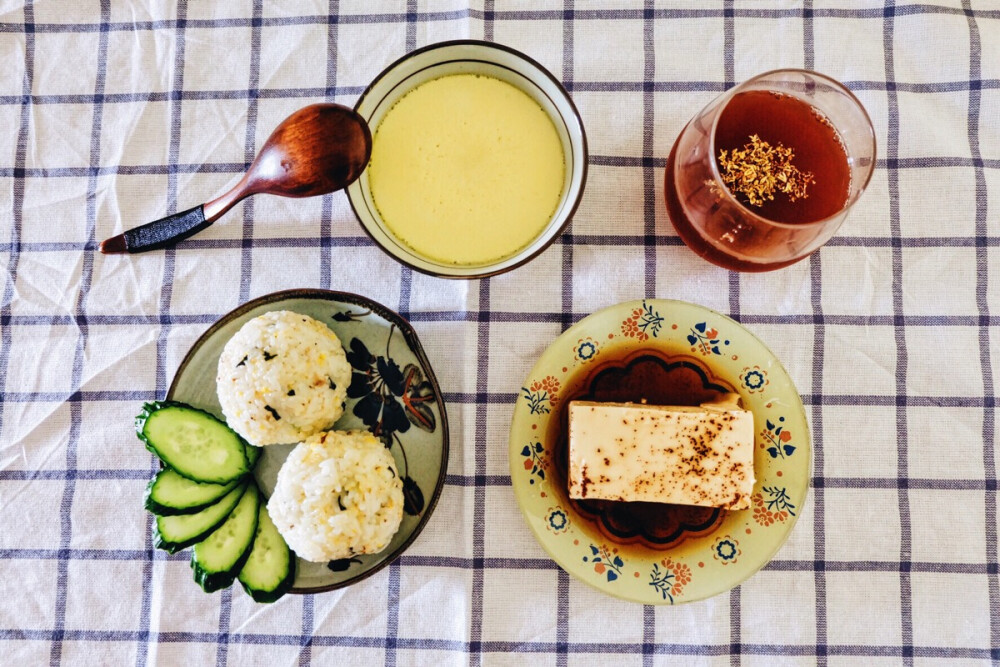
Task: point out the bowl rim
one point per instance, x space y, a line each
487 270
409 335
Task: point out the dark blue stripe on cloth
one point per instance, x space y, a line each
568 252
403 308
166 295
610 86
506 398
76 372
985 335
733 281
567 238
224 638
326 278
584 86
488 27
649 207
237 22
246 264
519 317
912 9
902 357
623 161
308 629
479 516
506 647
76 473
17 215
526 563
817 441
649 173
565 321
817 481
326 215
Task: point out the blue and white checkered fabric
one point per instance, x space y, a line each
116 113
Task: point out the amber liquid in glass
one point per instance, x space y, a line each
775 118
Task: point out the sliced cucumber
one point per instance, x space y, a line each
173 533
253 454
218 558
270 570
170 493
192 442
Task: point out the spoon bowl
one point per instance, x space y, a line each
317 150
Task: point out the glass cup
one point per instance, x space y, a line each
831 138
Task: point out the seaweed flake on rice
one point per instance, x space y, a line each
338 495
282 378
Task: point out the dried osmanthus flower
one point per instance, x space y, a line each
758 170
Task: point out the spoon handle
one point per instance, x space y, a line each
159 233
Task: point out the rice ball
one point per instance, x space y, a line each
338 495
282 378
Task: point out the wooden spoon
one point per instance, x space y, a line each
318 149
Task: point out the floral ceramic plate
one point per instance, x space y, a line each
669 353
393 393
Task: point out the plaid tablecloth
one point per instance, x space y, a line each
115 113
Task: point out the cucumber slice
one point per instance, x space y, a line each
253 454
218 558
170 493
192 442
173 533
270 570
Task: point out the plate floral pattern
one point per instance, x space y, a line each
393 394
703 564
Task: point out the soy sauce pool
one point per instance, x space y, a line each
629 375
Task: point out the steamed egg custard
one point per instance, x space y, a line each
466 169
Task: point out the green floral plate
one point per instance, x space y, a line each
669 353
393 393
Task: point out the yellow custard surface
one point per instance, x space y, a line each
466 169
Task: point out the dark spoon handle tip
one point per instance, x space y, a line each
113 246
159 233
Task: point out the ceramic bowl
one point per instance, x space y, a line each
500 62
391 374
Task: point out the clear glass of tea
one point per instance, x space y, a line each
766 173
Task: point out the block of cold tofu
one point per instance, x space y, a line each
662 454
